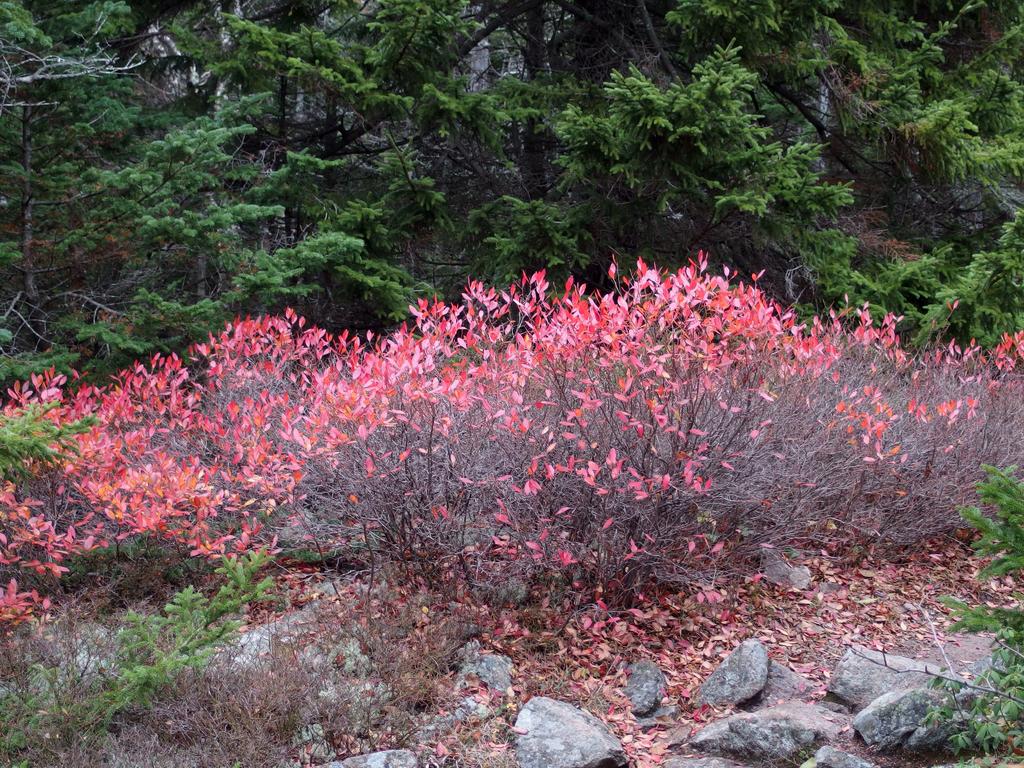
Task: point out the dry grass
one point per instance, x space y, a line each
368 671
244 715
212 718
405 644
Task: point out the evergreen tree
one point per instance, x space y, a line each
28 440
166 166
123 220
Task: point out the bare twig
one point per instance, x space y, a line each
652 35
93 301
937 675
21 68
13 304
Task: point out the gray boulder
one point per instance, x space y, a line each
645 687
829 757
739 678
782 574
897 720
493 670
553 734
93 653
783 684
283 635
776 733
701 762
863 675
935 737
392 758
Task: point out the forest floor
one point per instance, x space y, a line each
580 653
366 662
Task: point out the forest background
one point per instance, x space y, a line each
166 166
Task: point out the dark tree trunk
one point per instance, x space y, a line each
28 265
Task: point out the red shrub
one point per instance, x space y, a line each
619 437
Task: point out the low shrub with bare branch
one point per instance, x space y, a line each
607 440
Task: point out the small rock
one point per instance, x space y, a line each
312 741
985 664
660 716
829 757
493 670
782 574
354 663
739 678
553 734
835 706
897 719
701 762
783 684
645 687
777 733
863 675
392 758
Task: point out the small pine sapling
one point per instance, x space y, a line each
150 651
996 710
